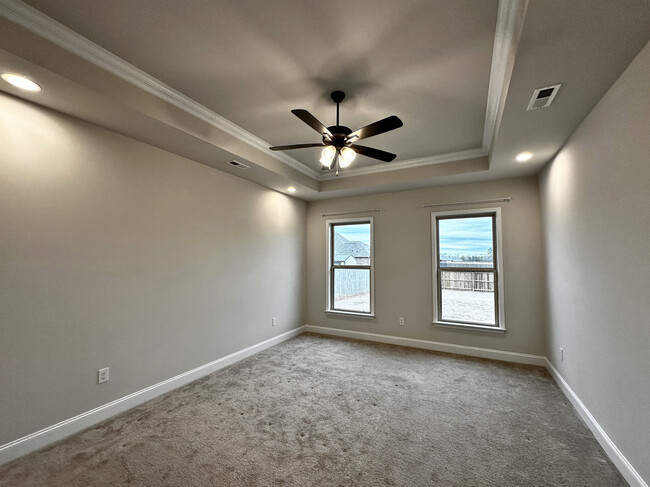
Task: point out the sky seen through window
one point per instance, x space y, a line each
465 236
355 233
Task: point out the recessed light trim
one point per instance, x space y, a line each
21 82
291 189
523 157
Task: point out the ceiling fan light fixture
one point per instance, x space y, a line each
346 158
327 156
338 139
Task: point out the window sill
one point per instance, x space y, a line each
367 316
464 326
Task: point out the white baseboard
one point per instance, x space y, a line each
51 434
520 358
624 466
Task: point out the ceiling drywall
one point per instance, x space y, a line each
217 81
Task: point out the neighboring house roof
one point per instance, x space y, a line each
341 257
356 249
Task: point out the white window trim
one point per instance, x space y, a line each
328 227
501 325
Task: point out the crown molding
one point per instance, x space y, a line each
510 21
37 22
407 164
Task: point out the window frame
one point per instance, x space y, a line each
497 269
330 224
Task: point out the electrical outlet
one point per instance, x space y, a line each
561 354
401 321
102 375
274 321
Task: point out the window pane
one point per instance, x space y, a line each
352 290
466 242
468 297
352 244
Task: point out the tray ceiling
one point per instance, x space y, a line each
252 62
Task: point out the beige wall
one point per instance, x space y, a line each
596 206
114 253
403 265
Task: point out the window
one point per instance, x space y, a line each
467 261
350 288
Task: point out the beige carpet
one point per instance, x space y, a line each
334 412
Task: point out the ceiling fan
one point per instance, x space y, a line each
339 141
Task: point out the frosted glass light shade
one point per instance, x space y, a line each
347 156
327 156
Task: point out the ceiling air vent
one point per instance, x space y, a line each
543 97
238 165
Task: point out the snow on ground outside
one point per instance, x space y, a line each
357 302
468 306
456 305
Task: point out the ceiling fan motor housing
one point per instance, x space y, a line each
339 134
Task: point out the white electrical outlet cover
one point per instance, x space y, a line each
103 375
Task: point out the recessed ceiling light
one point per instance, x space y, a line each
20 82
523 157
291 189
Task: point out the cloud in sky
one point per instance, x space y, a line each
465 235
355 233
457 236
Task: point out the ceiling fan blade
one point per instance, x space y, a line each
374 153
385 125
312 121
295 146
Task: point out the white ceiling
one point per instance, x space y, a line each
219 79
